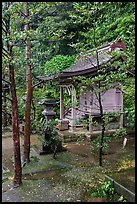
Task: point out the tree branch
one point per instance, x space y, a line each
38 84
32 67
23 14
5 55
6 81
19 43
4 30
7 98
3 23
5 50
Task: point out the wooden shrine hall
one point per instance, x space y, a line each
88 103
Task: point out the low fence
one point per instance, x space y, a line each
121 190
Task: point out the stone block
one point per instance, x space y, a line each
63 125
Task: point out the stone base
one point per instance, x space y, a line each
63 125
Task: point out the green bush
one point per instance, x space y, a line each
106 190
58 64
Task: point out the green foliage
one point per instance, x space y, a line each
95 145
16 35
129 103
121 132
21 108
58 64
52 137
106 190
50 21
34 159
110 117
130 117
38 94
121 199
111 20
107 187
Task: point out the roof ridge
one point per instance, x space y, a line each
103 46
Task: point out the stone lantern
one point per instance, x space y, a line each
49 102
49 114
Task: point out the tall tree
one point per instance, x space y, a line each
7 47
27 128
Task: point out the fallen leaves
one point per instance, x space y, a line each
126 165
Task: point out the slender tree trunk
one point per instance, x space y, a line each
99 94
102 120
102 130
17 180
27 128
101 111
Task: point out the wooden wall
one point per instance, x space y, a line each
112 101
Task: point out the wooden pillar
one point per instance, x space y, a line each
73 114
61 103
121 120
121 111
90 124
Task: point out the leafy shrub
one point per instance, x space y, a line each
129 103
96 143
50 137
58 64
106 190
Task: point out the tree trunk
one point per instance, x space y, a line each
102 130
17 180
99 94
27 128
101 112
101 143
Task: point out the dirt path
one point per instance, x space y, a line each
66 178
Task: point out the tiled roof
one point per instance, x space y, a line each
86 65
83 63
